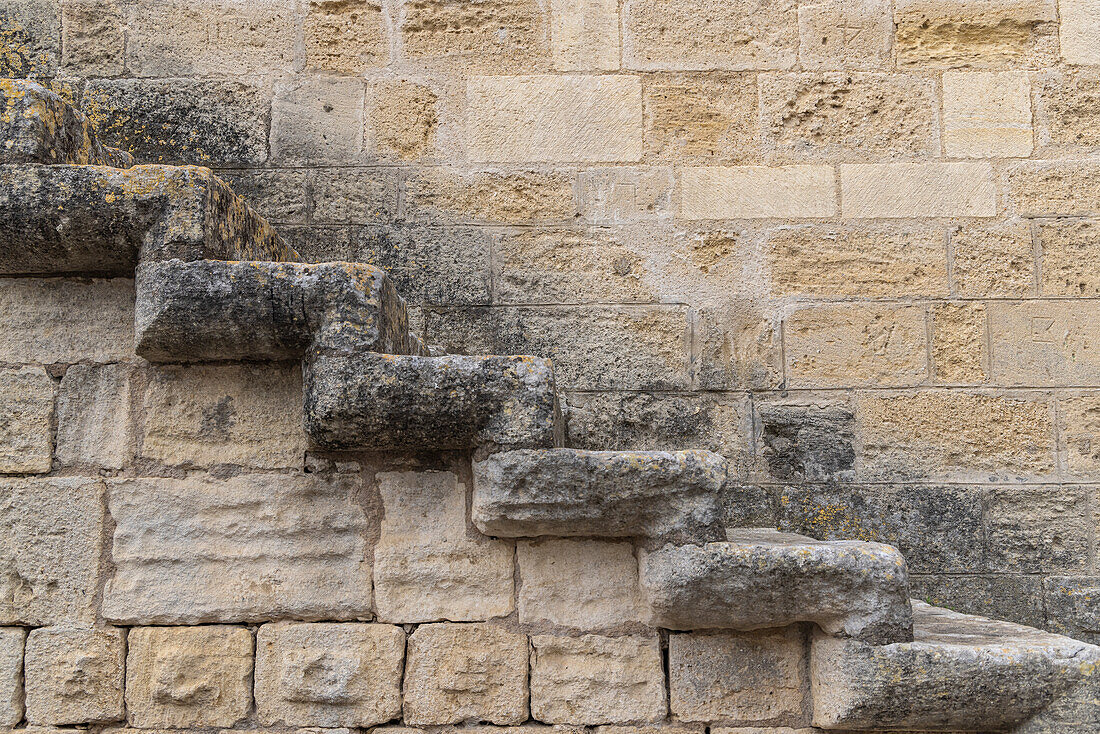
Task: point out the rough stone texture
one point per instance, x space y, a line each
959 353
94 424
1080 28
987 114
583 584
701 118
183 677
625 195
356 195
757 192
845 34
465 672
1066 252
806 442
516 119
1037 529
993 260
93 38
763 578
249 548
1044 343
403 120
11 675
737 677
959 673
709 35
383 402
514 197
493 36
427 566
584 35
26 414
29 35
347 37
329 675
736 346
1048 188
50 549
74 675
278 195
1066 112
898 190
566 492
597 680
1071 608
1079 427
317 119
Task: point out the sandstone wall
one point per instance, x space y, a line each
850 245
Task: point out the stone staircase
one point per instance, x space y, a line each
215 282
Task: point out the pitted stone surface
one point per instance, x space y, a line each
959 673
763 578
329 675
566 492
26 413
251 548
382 402
11 675
74 675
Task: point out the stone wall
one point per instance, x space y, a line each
849 245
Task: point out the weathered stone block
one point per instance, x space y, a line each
1071 607
845 34
30 35
489 36
511 197
188 677
737 677
250 548
987 114
1079 426
1067 248
855 345
709 35
959 352
701 118
757 192
328 674
354 195
74 675
317 119
50 550
1080 31
764 578
899 190
573 119
1037 529
995 260
566 492
736 345
347 37
426 566
1048 188
584 35
278 195
1044 343
622 195
11 675
806 442
403 120
597 680
26 416
1066 108
93 38
465 672
1015 598
94 424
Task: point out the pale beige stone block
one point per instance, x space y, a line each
1068 251
625 195
597 680
329 675
427 566
26 413
993 260
11 675
543 118
50 550
403 119
505 197
316 119
1045 343
74 675
845 34
757 192
93 38
893 190
344 36
1067 108
465 672
701 118
745 677
94 427
585 584
987 114
1080 34
488 37
1046 188
1079 426
188 677
959 353
584 34
855 345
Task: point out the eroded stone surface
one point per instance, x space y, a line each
11 675
94 424
74 675
26 413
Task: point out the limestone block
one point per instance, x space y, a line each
188 677
1014 598
205 415
278 195
1066 251
701 118
566 492
49 320
855 345
1080 31
74 675
623 195
347 37
30 35
842 34
544 118
385 402
813 117
584 584
993 260
1079 426
735 345
737 677
403 120
249 548
1044 343
899 190
317 119
93 38
50 550
757 192
1047 188
584 35
328 674
959 353
706 35
195 121
1066 108
26 414
959 673
954 435
426 566
859 262
493 37
504 197
1070 607
806 441
354 195
94 425
987 114
465 672
763 578
1037 530
970 34
11 675
597 680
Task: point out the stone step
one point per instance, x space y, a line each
762 578
377 402
566 492
959 673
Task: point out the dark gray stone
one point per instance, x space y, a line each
1073 606
807 442
1015 598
